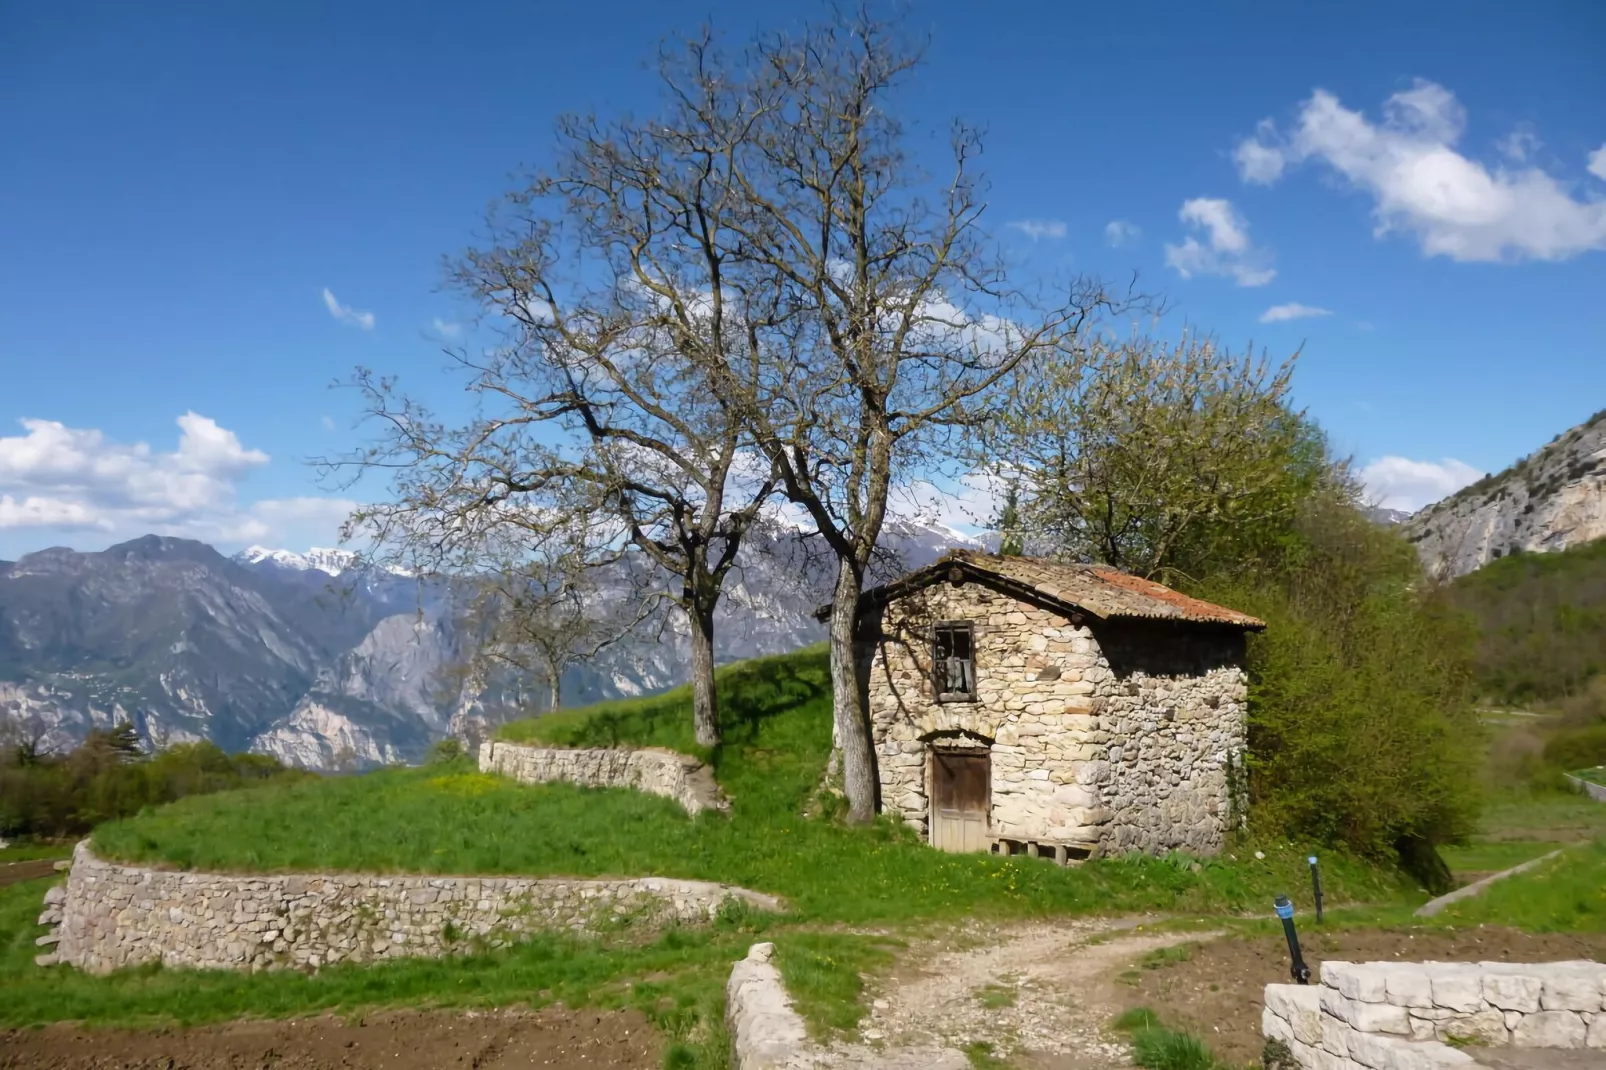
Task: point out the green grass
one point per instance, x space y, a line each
1565 894
30 851
1154 1047
824 975
776 716
1596 775
995 997
1489 856
983 1056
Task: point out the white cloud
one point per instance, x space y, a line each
1520 144
1227 249
447 328
328 423
1118 232
1259 162
1401 483
1597 163
1292 311
346 314
1420 184
75 479
1037 229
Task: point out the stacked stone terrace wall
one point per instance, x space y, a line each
1118 736
1423 1015
114 915
654 770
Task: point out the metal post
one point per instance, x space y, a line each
1316 886
1285 911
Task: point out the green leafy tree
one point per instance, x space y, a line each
1161 460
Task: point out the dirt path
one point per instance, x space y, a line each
1040 995
395 1040
15 872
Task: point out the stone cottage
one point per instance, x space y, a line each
1025 705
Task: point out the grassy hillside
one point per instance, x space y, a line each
452 819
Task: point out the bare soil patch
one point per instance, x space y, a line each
1218 992
12 872
393 1040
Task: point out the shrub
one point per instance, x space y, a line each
1362 730
105 777
1578 748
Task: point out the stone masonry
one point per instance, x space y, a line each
112 915
655 770
1423 1015
1105 736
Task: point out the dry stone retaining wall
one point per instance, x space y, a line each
1423 1015
114 915
1593 790
766 1033
1115 735
655 770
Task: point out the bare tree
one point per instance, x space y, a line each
547 609
867 319
1152 457
611 332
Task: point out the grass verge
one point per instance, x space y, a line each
1565 894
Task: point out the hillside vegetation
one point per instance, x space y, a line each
1541 622
451 819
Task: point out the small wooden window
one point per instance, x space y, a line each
953 661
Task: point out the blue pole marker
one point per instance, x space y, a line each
1298 969
1316 887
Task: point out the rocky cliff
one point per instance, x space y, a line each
1552 499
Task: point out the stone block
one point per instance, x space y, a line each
1379 1018
1511 991
1356 980
1487 1026
1550 1029
1565 990
1461 990
1408 988
1595 1036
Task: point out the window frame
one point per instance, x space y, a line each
939 676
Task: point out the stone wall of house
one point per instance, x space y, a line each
1414 1015
660 772
1124 749
113 915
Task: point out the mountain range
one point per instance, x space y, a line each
319 660
1551 499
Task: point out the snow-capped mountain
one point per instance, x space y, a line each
323 661
331 562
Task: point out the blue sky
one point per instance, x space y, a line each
208 215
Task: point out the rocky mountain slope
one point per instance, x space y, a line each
305 658
1552 499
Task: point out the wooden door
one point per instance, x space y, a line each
960 791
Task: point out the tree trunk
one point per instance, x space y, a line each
555 682
850 724
704 702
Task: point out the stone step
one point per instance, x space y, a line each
46 960
48 940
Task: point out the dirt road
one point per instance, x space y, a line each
1041 995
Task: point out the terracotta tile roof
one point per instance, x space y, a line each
1098 589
